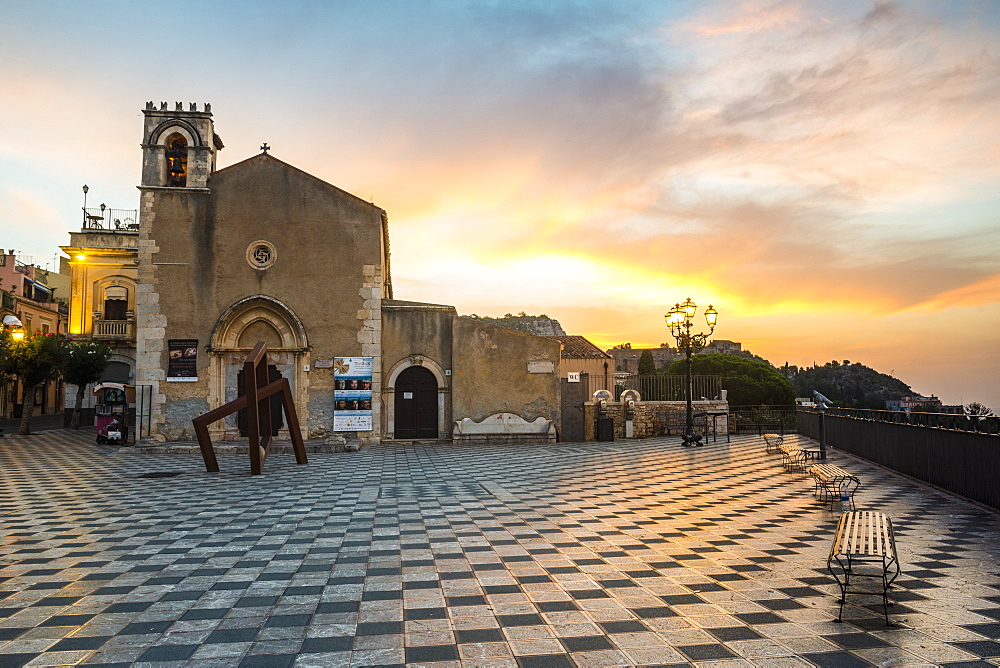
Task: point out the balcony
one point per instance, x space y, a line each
114 330
117 221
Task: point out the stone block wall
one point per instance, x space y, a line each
644 424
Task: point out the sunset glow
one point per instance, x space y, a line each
827 174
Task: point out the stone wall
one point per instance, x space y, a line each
645 424
497 370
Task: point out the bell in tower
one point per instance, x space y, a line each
179 146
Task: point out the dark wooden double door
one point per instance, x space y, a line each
416 400
277 415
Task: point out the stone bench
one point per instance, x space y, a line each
501 428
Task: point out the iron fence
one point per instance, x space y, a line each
959 460
762 419
975 423
655 387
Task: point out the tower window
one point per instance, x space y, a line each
177 155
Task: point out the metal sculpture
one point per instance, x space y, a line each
257 402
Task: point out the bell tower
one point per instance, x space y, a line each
178 146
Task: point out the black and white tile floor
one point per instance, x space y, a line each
600 554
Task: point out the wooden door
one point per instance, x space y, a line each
416 404
276 413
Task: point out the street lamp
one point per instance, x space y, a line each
85 191
679 320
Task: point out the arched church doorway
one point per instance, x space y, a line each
416 409
253 319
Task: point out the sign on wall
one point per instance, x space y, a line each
352 394
182 360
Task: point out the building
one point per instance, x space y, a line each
627 358
31 294
103 273
923 404
580 356
263 251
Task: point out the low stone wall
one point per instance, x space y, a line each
645 424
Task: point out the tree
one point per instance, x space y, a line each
84 363
749 382
36 359
976 409
647 366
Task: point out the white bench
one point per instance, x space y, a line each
504 428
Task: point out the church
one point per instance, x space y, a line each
263 251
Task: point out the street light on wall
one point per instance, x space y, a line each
679 320
13 323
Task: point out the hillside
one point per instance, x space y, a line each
539 325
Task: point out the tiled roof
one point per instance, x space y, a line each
578 347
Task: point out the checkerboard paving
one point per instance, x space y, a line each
594 554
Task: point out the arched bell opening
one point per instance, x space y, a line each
176 154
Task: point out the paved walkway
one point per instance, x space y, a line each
626 553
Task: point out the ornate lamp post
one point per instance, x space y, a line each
679 321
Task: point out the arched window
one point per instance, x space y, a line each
177 157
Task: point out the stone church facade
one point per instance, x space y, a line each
263 251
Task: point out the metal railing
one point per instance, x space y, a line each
976 423
762 419
930 447
124 221
656 387
121 330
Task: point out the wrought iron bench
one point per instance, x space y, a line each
792 457
773 442
833 481
864 537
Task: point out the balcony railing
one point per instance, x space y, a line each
114 330
118 221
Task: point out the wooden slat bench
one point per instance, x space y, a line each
864 537
831 481
792 457
772 442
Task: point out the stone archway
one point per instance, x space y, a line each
443 394
239 328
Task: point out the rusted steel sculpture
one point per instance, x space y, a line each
257 402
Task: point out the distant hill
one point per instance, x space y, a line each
850 385
539 325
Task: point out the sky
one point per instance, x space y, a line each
824 173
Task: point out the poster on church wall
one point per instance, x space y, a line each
182 360
352 394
